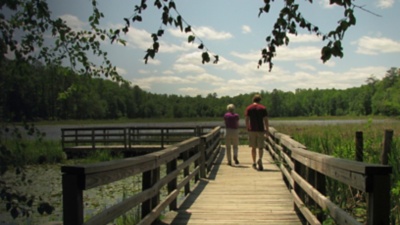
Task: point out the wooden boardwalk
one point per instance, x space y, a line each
238 195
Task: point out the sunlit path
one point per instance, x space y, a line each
238 195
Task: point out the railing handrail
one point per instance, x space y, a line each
77 178
126 137
305 172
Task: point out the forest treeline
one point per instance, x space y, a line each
37 92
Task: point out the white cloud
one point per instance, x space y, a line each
339 80
374 46
187 68
385 3
147 82
121 71
303 38
151 61
325 4
138 38
250 56
168 72
190 58
190 91
246 29
296 54
73 22
305 66
206 33
207 78
168 48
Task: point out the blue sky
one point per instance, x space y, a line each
233 30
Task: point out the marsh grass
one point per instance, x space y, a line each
28 152
339 141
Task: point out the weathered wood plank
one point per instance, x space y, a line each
238 195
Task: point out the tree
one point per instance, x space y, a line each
289 21
25 24
28 21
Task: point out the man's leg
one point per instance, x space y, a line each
253 145
235 143
228 150
260 150
253 154
235 154
260 153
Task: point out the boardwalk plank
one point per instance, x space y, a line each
238 195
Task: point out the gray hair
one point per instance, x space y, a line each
230 107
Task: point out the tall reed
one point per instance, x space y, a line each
339 141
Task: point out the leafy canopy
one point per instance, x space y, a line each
26 23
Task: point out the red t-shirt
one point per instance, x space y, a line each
256 112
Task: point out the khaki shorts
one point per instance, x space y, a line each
256 139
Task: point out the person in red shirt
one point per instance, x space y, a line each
231 134
258 126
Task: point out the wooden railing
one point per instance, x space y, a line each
196 155
128 141
93 137
306 174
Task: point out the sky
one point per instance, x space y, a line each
232 30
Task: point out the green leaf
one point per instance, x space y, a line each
127 22
154 36
158 4
188 29
205 57
326 54
156 46
191 38
179 22
138 18
14 212
216 59
172 5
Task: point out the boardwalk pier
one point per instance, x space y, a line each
199 188
238 194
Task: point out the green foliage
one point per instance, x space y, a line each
17 151
25 23
290 20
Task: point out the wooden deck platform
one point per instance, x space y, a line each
238 195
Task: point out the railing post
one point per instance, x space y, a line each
172 185
185 156
320 185
62 139
149 178
72 200
93 143
202 149
359 146
76 137
387 144
298 168
162 138
378 209
125 139
130 138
